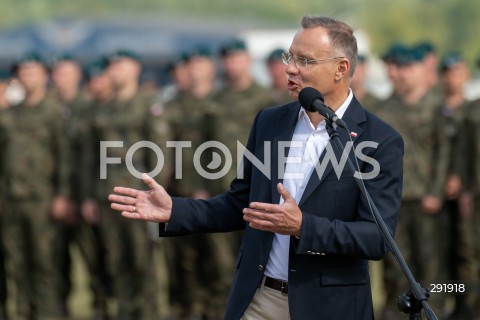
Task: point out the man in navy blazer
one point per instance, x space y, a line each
309 232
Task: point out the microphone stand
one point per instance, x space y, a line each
413 301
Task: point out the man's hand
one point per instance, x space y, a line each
431 205
90 212
467 205
285 218
63 210
453 187
154 205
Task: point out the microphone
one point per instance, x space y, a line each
312 100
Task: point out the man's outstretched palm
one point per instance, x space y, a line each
154 205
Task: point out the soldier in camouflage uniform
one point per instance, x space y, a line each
200 265
35 189
127 120
278 76
459 239
238 102
412 113
3 276
100 90
358 85
66 75
470 199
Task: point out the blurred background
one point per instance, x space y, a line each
159 31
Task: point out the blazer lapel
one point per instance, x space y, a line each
284 127
353 116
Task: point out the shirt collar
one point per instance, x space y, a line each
340 111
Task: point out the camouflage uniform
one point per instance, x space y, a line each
33 170
459 239
73 116
471 177
3 275
197 263
418 233
233 119
89 238
129 251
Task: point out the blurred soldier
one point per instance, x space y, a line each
431 64
180 79
411 113
35 189
3 96
459 239
201 266
100 91
392 59
278 76
66 75
3 276
470 199
124 122
238 102
358 85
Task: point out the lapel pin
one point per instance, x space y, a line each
353 134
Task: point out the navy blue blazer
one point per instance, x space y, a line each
328 266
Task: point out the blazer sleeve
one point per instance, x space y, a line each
360 237
222 213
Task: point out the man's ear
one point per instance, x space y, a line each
343 69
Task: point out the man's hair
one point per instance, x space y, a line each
340 34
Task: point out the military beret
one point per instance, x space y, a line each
394 52
178 60
450 60
123 53
233 46
29 57
62 58
199 51
95 67
275 55
410 56
361 58
426 47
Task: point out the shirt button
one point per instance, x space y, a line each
260 268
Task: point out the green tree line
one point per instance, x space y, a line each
450 25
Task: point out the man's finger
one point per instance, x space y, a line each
122 207
121 199
126 191
284 193
268 207
152 184
131 215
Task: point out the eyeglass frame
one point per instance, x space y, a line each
287 57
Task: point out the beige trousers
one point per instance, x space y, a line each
267 304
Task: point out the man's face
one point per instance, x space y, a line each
277 72
201 69
66 75
123 71
455 78
312 43
412 76
237 64
32 75
100 85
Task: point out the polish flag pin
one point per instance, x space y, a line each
353 134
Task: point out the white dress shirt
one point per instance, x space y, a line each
306 147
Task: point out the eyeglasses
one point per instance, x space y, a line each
301 62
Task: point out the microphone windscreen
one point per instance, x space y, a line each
307 96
